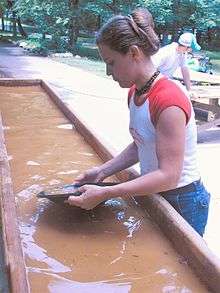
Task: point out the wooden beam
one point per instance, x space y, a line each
199 77
204 115
207 92
19 82
214 102
212 93
14 259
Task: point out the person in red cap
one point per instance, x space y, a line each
174 55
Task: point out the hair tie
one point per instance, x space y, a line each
140 32
133 24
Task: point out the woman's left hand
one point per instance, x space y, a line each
91 196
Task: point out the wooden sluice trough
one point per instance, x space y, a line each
206 88
206 106
187 244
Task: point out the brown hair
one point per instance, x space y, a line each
121 32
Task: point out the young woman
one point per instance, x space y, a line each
162 125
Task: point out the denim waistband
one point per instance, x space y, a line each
180 190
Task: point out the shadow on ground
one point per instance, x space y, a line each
9 49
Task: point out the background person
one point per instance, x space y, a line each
162 125
170 57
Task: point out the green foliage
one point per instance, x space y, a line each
83 51
49 18
107 8
179 14
3 5
61 22
214 55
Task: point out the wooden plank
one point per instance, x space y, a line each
199 77
184 238
204 115
14 258
19 82
214 102
207 92
213 108
4 282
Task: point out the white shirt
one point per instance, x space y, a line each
168 59
144 133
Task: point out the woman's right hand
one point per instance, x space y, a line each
92 175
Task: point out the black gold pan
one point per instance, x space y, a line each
61 193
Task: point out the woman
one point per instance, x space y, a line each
162 125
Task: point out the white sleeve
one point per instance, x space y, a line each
158 58
183 60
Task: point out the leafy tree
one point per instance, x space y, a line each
175 16
48 17
3 6
59 19
65 20
107 8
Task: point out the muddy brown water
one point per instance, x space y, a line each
114 248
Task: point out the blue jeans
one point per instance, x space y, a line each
192 206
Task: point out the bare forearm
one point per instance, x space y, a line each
127 158
186 77
151 183
170 159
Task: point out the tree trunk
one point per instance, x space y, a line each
73 23
14 20
73 31
209 36
165 38
3 23
20 28
7 22
114 7
199 36
99 21
176 25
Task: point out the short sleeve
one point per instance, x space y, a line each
170 95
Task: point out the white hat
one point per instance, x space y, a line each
189 40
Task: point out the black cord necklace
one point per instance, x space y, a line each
147 85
